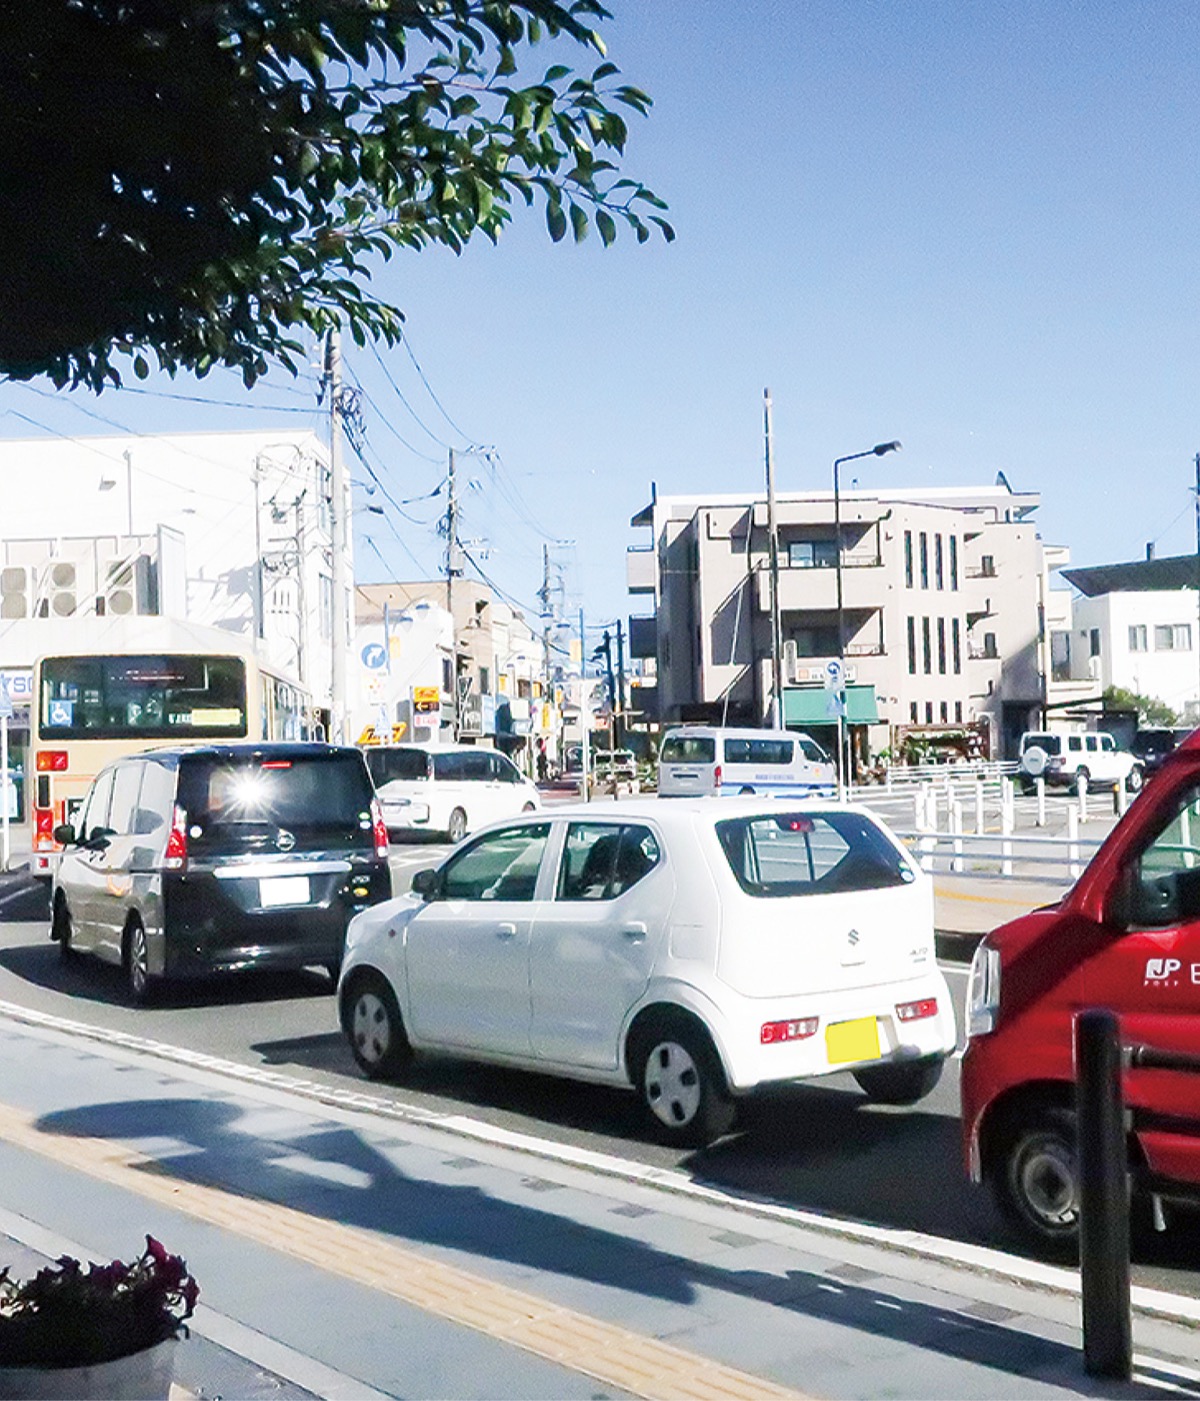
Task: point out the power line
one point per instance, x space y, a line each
417 366
387 374
383 418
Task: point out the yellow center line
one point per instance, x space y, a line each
613 1355
943 894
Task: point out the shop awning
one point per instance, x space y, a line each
809 705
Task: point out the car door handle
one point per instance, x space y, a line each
635 932
506 931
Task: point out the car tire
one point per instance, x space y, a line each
745 792
529 807
1035 1182
900 1082
679 1081
142 986
1136 779
374 1027
456 829
61 929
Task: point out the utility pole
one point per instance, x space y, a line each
1197 464
544 596
773 566
585 718
620 712
453 571
339 533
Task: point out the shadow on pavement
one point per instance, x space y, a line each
369 1190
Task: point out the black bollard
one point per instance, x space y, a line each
1103 1197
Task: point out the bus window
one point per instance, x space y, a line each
143 697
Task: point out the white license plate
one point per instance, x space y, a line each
283 890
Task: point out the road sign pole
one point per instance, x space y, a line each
5 848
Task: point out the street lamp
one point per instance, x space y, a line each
878 450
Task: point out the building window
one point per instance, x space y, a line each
815 642
990 649
938 577
325 597
1137 638
1094 642
927 647
485 681
929 712
447 676
908 560
1173 637
941 631
987 567
912 646
924 552
954 561
1060 656
958 712
812 554
956 645
912 711
945 712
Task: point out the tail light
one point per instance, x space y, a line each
382 846
43 830
717 776
917 1011
177 841
773 1032
52 761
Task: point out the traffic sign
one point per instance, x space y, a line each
835 675
374 656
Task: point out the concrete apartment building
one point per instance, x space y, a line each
944 596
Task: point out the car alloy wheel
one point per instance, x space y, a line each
374 1027
1036 1181
681 1085
137 963
458 825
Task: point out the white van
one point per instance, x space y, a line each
447 788
696 760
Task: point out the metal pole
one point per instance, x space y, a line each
1103 1197
621 682
773 567
339 540
129 490
842 767
1198 573
585 718
5 838
452 569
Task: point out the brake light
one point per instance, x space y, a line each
43 830
717 776
177 841
52 761
44 819
917 1011
276 764
773 1032
382 846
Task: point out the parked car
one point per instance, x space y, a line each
1063 759
1126 937
185 862
451 789
608 764
1153 744
692 951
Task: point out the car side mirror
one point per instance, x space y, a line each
64 834
425 883
99 838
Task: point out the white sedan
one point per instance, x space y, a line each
691 950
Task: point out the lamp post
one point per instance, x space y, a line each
877 451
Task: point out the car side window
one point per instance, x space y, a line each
95 816
127 783
1166 883
155 801
505 770
465 767
502 865
602 860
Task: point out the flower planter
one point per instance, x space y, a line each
142 1376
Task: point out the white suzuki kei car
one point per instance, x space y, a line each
691 950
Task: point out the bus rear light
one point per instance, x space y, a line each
52 761
774 1032
175 858
43 819
717 776
917 1011
382 846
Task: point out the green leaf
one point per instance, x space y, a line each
140 368
556 221
579 223
607 226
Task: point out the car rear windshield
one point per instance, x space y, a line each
800 853
1050 744
276 803
688 749
386 765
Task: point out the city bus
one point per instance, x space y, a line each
91 708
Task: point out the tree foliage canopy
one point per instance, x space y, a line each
1150 711
206 181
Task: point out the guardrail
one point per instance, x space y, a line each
998 855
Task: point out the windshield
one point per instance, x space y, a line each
143 697
688 749
385 765
247 803
797 853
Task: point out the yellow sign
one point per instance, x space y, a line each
368 735
398 731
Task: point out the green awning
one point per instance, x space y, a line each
809 705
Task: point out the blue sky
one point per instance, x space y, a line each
969 227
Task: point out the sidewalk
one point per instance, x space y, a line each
344 1253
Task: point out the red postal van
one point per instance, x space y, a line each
1126 937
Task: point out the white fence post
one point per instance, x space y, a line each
1041 801
956 828
1121 799
1073 838
979 806
1006 846
1082 785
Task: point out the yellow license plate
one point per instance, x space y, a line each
850 1041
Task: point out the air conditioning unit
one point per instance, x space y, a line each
128 587
15 588
58 596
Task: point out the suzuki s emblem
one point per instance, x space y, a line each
285 841
853 937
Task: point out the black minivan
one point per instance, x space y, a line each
186 862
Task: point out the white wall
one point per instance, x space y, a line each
1170 675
